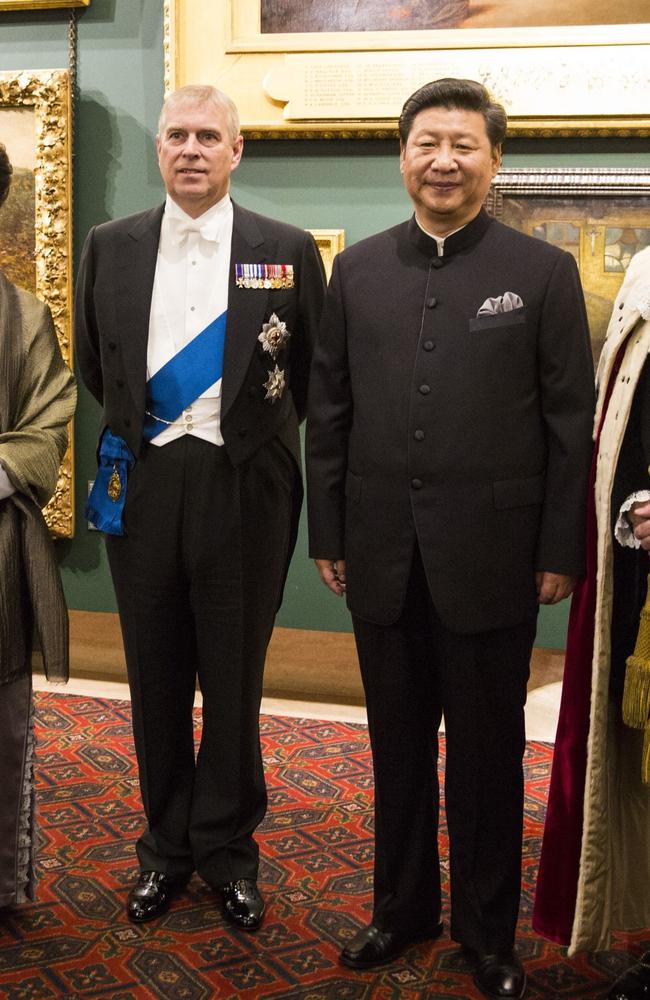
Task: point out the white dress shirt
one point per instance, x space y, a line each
190 290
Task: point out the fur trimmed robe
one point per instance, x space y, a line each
595 866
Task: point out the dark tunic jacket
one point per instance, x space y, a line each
467 435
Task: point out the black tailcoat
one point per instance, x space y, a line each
112 324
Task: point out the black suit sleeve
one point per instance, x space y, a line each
567 399
85 326
328 428
311 291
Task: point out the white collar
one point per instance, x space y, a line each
209 224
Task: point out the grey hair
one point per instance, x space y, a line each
201 94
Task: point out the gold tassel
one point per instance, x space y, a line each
636 693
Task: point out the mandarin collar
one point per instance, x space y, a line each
463 239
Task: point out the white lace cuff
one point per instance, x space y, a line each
623 530
6 485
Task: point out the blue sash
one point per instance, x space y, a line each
171 390
185 377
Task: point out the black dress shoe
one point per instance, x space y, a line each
150 896
242 903
500 976
371 947
633 984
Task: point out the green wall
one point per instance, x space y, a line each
352 185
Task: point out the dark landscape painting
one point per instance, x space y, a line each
17 215
603 234
278 16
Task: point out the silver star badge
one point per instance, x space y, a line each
275 385
274 335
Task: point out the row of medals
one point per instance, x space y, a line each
264 275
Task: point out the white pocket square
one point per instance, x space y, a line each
504 303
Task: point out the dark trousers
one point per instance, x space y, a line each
198 577
414 671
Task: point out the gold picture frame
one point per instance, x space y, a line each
555 80
601 216
45 95
329 243
40 4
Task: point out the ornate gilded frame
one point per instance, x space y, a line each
329 243
591 203
40 4
554 81
47 92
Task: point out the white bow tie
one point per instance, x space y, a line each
179 229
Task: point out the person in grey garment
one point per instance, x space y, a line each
37 399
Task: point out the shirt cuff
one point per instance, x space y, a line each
623 530
6 485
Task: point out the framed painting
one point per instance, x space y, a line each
35 221
40 4
329 243
601 216
321 68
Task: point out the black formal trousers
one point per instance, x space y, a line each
414 671
198 577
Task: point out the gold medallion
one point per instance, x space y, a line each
114 485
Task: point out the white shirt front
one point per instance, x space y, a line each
190 290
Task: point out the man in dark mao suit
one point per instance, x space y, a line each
208 522
449 424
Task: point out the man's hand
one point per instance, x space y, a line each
332 573
639 516
553 587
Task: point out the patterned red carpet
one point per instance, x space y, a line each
316 844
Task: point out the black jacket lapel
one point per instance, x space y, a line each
247 307
136 269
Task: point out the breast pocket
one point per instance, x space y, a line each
515 318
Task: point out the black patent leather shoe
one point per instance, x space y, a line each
242 903
499 976
150 896
633 984
372 947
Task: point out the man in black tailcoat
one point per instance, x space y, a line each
194 326
448 450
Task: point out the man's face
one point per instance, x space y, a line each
196 155
448 165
